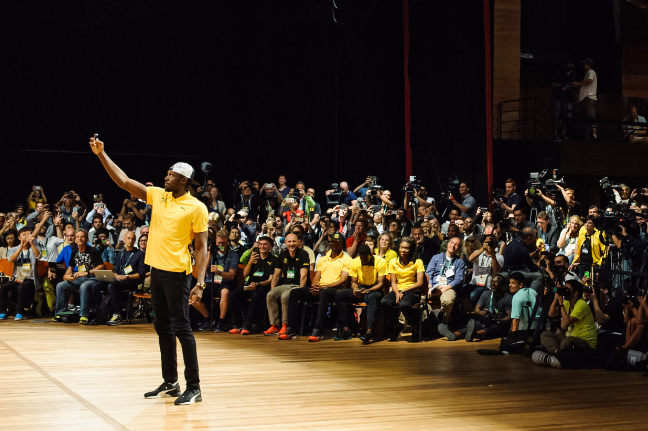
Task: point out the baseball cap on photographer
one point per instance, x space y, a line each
587 61
186 170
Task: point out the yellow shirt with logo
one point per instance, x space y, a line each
331 269
173 225
389 255
405 274
367 274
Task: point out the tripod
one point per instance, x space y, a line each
533 214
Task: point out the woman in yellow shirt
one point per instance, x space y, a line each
384 248
407 277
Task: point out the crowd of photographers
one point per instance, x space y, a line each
537 270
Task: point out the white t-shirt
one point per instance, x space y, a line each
588 90
571 243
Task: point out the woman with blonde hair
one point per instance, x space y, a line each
384 248
569 237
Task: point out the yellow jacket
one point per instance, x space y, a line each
599 249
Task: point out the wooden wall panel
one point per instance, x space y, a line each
635 71
506 61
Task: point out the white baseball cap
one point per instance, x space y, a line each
186 170
183 169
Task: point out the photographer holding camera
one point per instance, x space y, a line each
465 203
69 204
608 311
519 222
346 196
486 262
548 232
362 189
387 204
559 271
271 200
513 200
102 244
491 318
247 199
577 326
422 200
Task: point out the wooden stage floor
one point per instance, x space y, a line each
65 377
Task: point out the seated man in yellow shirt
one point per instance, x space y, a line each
331 275
367 278
577 325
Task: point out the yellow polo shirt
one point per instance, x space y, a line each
331 269
405 275
367 274
391 254
173 225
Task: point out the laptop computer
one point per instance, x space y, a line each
105 275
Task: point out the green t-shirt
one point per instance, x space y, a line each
585 328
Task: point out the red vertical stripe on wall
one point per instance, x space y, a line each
489 92
408 122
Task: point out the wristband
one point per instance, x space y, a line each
201 285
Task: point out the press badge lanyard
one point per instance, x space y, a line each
128 261
446 265
490 307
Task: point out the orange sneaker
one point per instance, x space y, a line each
235 331
245 332
273 330
283 329
314 339
288 335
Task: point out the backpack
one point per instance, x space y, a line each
104 312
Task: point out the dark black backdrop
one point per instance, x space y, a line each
254 87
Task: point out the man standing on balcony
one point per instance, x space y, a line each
587 94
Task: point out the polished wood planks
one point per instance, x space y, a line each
68 377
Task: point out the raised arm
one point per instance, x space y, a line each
117 175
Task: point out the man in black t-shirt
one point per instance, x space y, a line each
79 276
513 200
260 270
291 272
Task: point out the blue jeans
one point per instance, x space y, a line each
83 285
477 293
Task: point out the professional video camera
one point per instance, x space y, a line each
335 197
620 215
608 185
411 185
548 186
372 192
